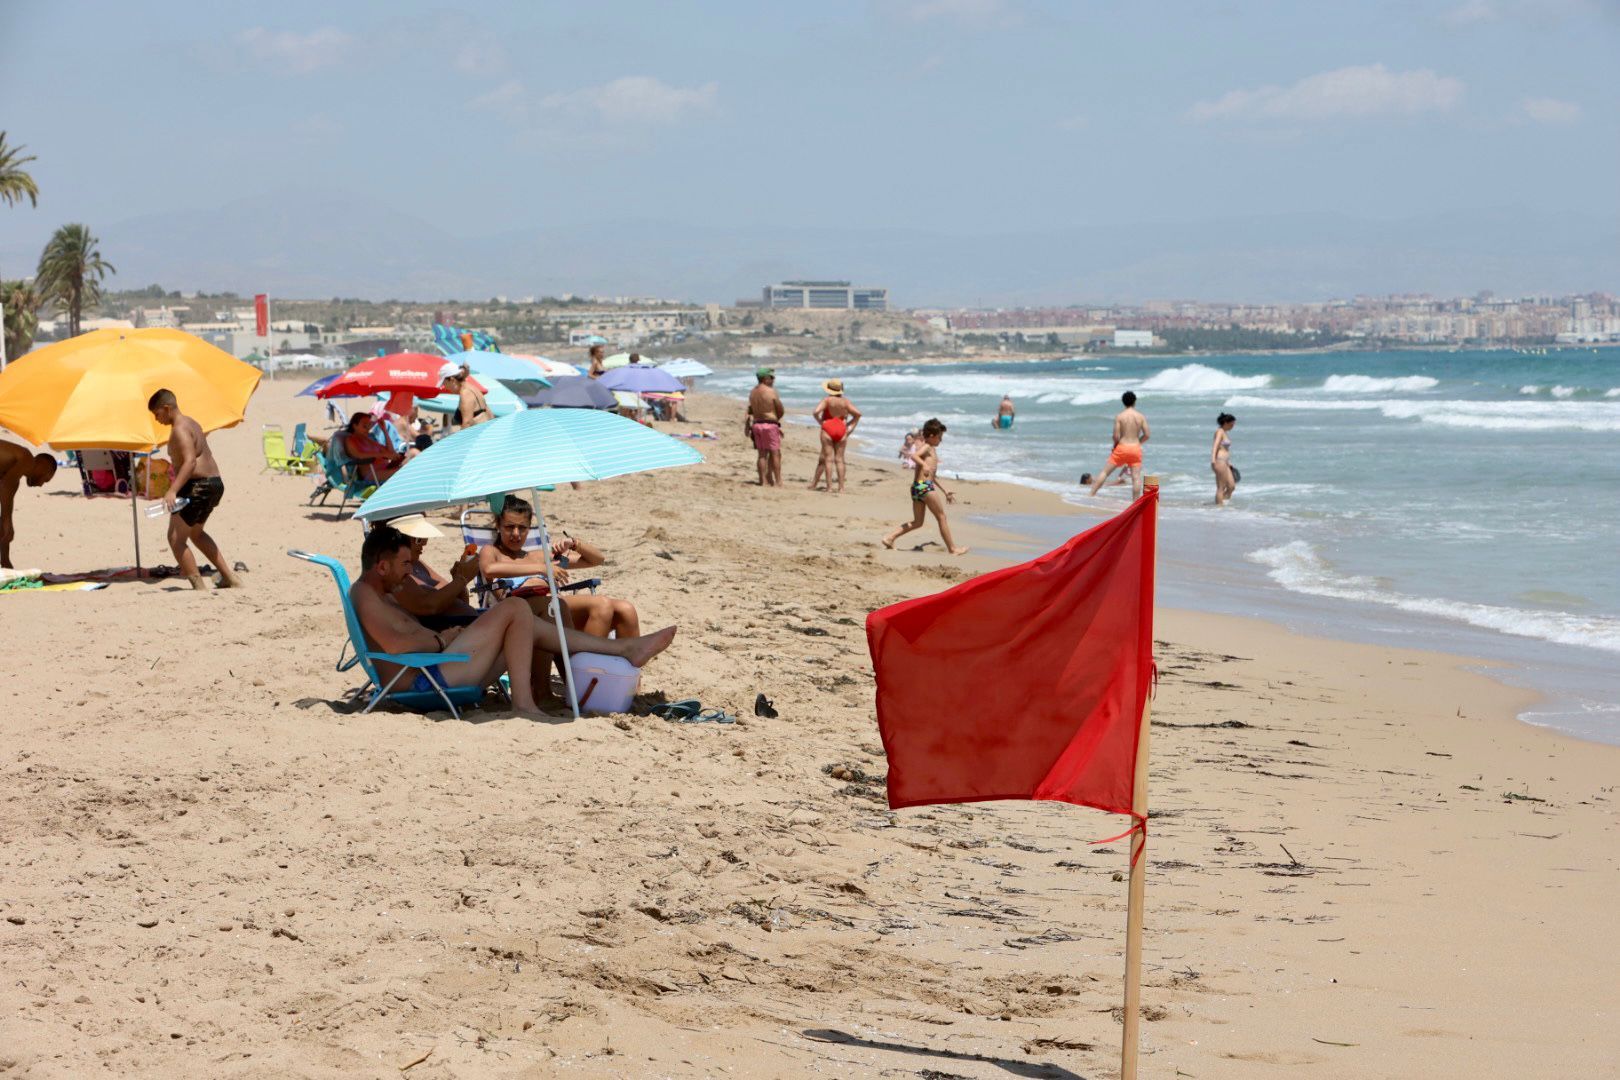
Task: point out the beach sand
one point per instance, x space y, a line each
1361 865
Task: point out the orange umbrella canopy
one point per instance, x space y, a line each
90 392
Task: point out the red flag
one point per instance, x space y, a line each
1025 683
261 315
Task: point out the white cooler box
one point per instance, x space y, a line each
605 684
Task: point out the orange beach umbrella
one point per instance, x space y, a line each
90 392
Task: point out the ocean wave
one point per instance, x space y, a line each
1367 384
1562 391
1483 415
1297 567
1199 379
1530 389
1612 393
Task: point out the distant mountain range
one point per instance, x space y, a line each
300 243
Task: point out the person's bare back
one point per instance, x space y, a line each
765 404
1131 427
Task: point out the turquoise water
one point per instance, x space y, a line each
1466 501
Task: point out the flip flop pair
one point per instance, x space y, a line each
691 711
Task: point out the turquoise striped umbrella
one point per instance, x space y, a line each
530 449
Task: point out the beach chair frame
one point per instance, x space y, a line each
365 657
485 534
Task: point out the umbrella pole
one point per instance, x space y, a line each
135 524
556 604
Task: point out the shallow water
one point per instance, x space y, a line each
1467 501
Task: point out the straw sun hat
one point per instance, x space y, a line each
835 387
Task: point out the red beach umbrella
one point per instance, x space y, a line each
400 373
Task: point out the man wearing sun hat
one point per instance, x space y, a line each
764 426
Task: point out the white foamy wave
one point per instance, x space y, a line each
1484 415
1199 379
1612 393
978 384
1296 566
1563 391
1530 389
1367 384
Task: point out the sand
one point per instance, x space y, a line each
1361 864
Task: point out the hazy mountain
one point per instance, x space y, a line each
304 243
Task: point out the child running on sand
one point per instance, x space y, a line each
926 490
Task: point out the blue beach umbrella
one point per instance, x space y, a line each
641 379
573 392
318 385
529 450
684 367
496 365
501 399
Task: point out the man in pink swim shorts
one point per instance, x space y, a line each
764 426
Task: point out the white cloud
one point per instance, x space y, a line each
1544 110
1345 93
632 99
296 53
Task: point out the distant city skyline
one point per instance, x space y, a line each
777 135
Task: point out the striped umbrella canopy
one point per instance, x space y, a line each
529 450
684 367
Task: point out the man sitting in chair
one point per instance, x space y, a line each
507 637
506 559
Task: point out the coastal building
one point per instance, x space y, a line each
826 295
1133 339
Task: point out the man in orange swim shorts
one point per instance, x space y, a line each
1130 432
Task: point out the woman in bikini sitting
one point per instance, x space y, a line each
837 417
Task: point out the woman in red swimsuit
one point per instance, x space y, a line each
837 418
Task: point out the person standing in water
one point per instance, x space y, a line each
1220 459
1130 432
837 417
197 480
926 491
1005 414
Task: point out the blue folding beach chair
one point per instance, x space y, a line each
414 664
341 475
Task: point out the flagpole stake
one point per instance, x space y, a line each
1138 866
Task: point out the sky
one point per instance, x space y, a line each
953 116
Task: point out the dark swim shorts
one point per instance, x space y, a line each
204 493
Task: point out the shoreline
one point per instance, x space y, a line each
1009 499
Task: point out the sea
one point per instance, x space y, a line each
1466 501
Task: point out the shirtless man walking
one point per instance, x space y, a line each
1130 432
17 465
764 426
197 480
926 492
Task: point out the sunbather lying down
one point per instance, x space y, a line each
503 639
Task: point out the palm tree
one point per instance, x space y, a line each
21 303
15 183
70 273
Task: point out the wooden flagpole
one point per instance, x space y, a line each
1138 866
